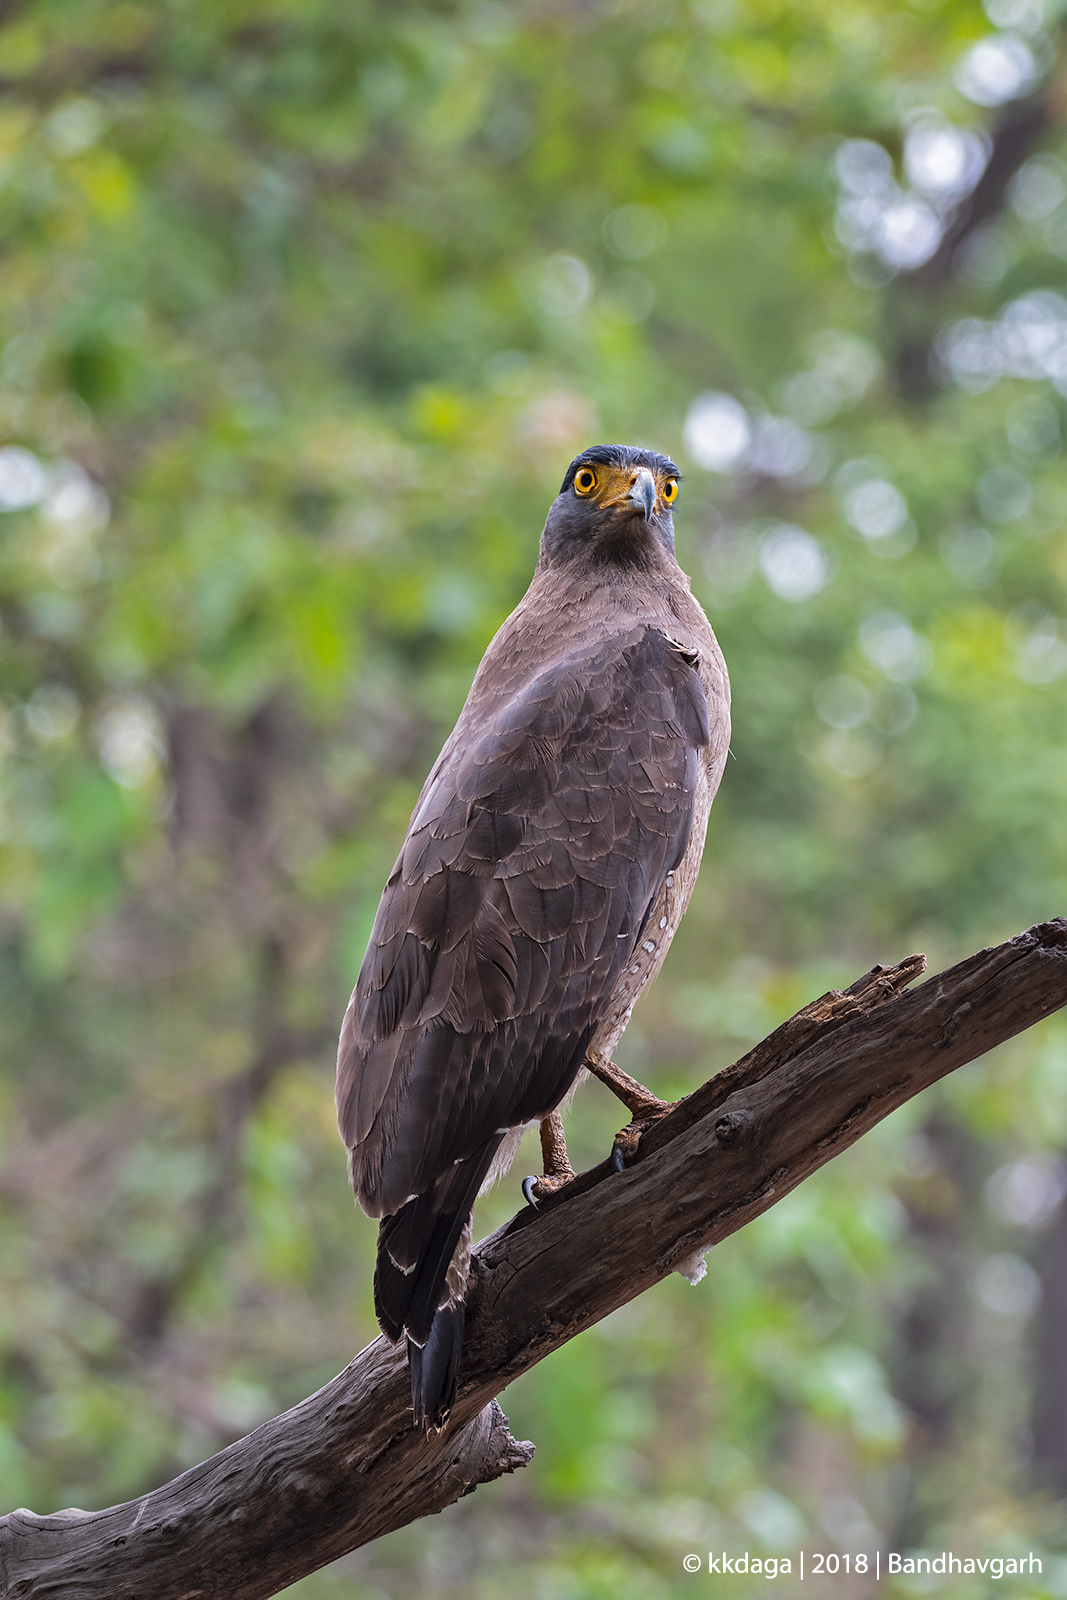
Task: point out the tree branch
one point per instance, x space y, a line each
345 1466
913 302
1016 133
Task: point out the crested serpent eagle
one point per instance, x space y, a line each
552 851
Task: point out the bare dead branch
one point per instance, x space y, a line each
345 1466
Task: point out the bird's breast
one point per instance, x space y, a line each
675 892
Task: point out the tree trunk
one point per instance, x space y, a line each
346 1465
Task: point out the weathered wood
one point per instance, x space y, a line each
345 1465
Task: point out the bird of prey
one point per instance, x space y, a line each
552 851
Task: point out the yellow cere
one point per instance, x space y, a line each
610 486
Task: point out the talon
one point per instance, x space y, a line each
618 1161
528 1185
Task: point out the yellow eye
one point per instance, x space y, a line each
584 480
670 491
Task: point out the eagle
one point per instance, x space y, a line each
552 851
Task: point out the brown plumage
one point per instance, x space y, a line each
552 851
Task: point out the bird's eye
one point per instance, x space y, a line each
584 480
670 491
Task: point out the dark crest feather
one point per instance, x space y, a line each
619 455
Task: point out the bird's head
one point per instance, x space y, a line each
614 509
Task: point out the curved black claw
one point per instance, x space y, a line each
528 1191
618 1162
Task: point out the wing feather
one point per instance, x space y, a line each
521 891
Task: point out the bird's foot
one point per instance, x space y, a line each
536 1188
558 1170
645 1109
627 1141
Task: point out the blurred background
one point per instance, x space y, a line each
305 307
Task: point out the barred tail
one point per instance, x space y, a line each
435 1367
420 1282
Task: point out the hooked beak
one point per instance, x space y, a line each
642 496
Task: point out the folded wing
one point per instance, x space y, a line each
517 902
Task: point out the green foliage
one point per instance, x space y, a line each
304 310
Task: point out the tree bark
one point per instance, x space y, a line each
345 1465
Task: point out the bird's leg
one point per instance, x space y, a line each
556 1162
644 1107
639 1101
